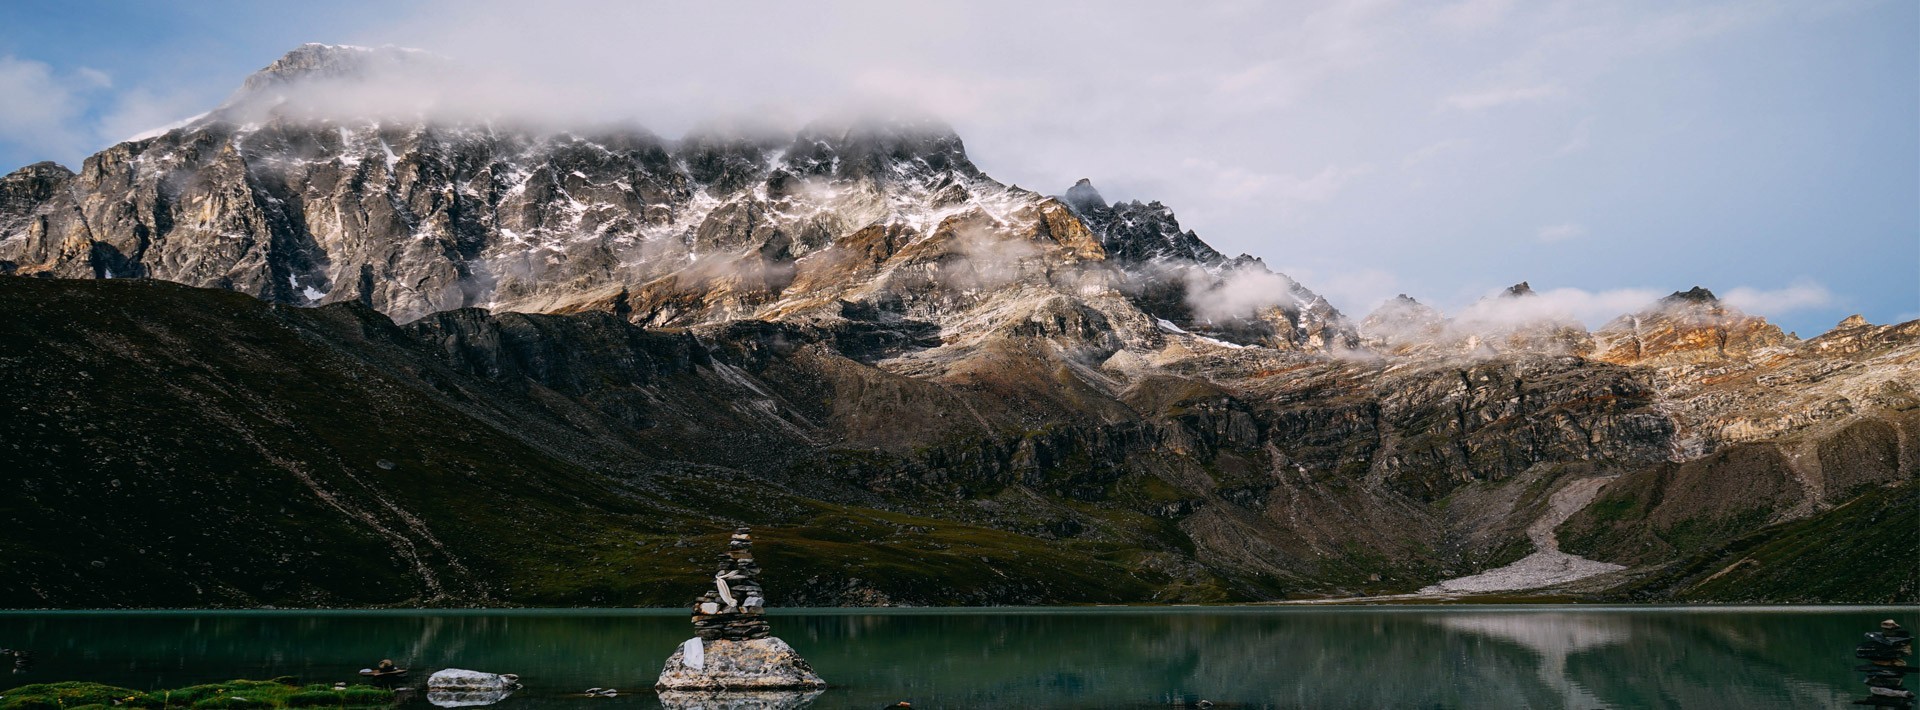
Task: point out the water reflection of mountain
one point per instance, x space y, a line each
1731 660
1552 637
1675 659
1315 658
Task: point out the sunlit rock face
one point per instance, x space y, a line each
1689 326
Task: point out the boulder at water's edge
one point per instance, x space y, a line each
754 664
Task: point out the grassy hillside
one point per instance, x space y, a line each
167 446
1866 551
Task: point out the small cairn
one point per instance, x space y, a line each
1885 652
732 648
734 609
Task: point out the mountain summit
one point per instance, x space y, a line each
418 216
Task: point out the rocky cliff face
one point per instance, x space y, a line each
855 336
1687 327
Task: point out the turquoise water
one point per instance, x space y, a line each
1235 657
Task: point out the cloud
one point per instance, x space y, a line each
1596 307
1591 308
1686 26
42 108
1800 296
1490 98
92 78
1582 133
140 110
1354 291
1561 232
989 259
64 115
1436 150
1238 293
1235 183
1473 15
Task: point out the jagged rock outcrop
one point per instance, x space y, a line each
1689 326
1513 323
1403 326
1135 232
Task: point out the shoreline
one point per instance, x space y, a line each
1380 603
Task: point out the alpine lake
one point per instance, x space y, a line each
1533 656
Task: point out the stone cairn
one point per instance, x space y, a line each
732 650
734 609
1885 652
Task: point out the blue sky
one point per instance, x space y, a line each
1605 152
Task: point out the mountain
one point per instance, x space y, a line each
495 362
1687 326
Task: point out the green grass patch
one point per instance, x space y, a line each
1866 551
231 695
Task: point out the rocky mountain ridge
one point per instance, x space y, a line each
855 323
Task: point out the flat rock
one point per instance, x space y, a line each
757 664
459 679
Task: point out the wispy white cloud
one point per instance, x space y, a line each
1473 15
1355 291
139 110
1500 96
64 115
1561 232
92 78
1588 307
1597 307
1436 150
1235 183
1582 135
43 108
1684 26
1800 296
1236 294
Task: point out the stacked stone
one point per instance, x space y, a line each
735 608
1885 652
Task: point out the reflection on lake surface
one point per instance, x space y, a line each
1345 657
